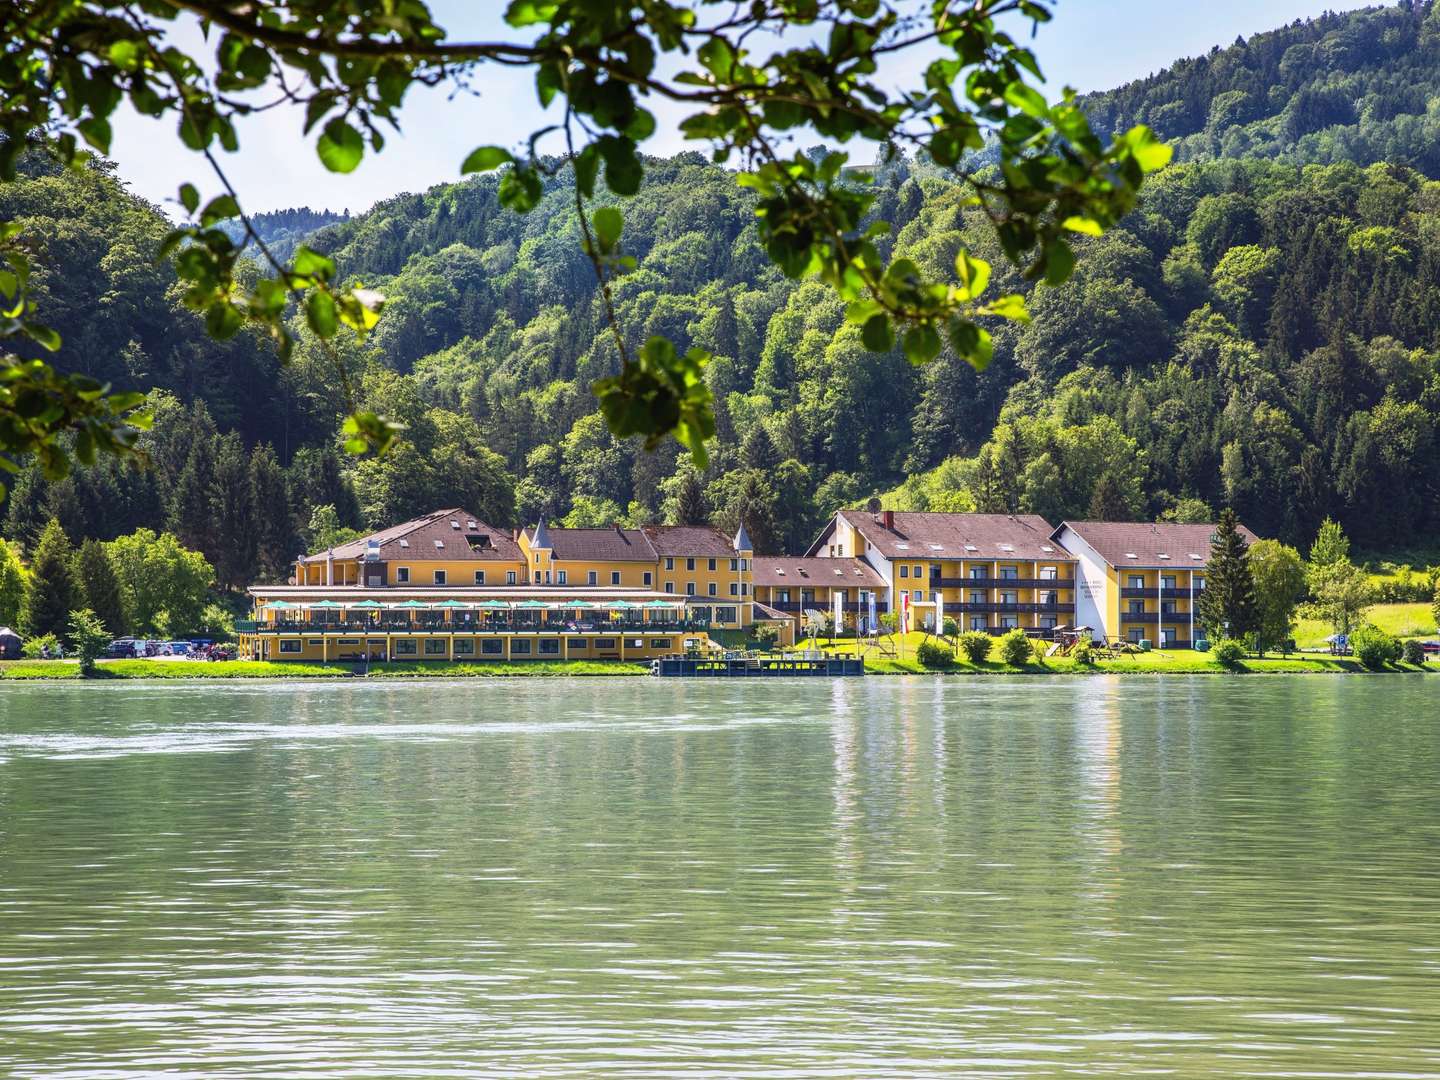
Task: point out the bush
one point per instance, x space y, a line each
889 622
949 627
975 645
1083 653
1374 647
89 636
1413 653
766 637
36 645
934 656
1228 652
1015 648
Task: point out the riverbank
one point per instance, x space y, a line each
1151 663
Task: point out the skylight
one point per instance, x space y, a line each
1007 547
971 547
1131 555
903 547
1163 555
1194 556
404 543
439 543
455 524
471 525
1047 549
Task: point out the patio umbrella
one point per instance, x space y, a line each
622 605
532 604
578 604
281 605
451 604
664 603
326 604
368 604
495 603
411 604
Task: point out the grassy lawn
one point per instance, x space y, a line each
1402 620
259 669
1158 662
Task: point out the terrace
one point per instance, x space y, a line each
484 617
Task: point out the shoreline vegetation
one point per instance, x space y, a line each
897 660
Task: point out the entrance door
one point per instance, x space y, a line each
1167 638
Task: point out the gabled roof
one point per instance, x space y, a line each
599 545
689 541
1143 544
461 536
924 535
794 572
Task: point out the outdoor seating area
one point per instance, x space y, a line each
486 616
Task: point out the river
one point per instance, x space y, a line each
888 877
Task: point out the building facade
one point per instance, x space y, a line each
793 585
446 586
1140 582
989 572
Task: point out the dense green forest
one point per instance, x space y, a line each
1260 333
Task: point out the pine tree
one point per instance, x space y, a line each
275 539
192 503
1331 545
52 592
690 508
1226 606
233 514
98 586
759 450
1107 501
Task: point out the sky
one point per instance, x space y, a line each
1090 45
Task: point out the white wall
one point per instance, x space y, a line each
1091 581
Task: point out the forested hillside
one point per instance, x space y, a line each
1362 86
1260 333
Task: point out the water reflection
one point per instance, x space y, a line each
946 877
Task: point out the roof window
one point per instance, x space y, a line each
1194 556
1163 555
971 547
903 547
471 525
1007 547
439 543
455 524
1047 549
404 543
1131 555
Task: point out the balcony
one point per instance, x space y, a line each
361 629
1149 593
937 582
1009 609
1173 617
799 607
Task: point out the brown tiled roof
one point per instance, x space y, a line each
785 571
600 545
689 540
920 535
468 538
767 613
1117 541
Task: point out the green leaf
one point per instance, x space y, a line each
520 189
1026 98
1149 153
1059 263
310 263
42 335
485 158
189 197
974 275
608 223
921 344
321 314
971 343
96 131
219 209
1083 225
878 335
1010 307
340 146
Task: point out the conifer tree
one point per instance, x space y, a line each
1226 607
98 586
12 585
52 594
192 502
759 451
275 539
233 515
690 508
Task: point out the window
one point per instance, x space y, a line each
669 562
1009 573
1167 638
1168 581
1167 607
782 596
714 589
734 588
1047 622
1009 622
561 575
977 622
290 646
635 643
659 643
402 575
464 646
1136 581
590 578
977 573
917 571
905 571
1009 598
1049 598
649 579
1047 573
405 647
614 577
348 641
669 586
479 577
724 614
604 643
492 647
509 577
434 646
744 564
537 558
318 642
439 577
977 597
519 647
1135 635
689 564
549 646
744 588
689 588
735 563
712 566
1137 607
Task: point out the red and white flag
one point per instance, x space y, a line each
904 612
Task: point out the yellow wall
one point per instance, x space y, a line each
351 647
1179 616
458 572
993 591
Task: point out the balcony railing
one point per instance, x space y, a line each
1154 616
1130 593
1010 609
800 606
360 629
938 582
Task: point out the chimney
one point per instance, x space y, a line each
890 520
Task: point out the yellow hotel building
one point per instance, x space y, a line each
1140 582
447 586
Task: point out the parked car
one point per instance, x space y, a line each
1432 648
123 649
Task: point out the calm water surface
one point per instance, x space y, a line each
644 878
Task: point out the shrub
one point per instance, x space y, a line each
1228 652
935 656
889 622
36 645
949 627
1015 648
766 637
89 636
975 645
1414 654
1083 653
1374 647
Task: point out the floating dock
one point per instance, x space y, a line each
743 667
